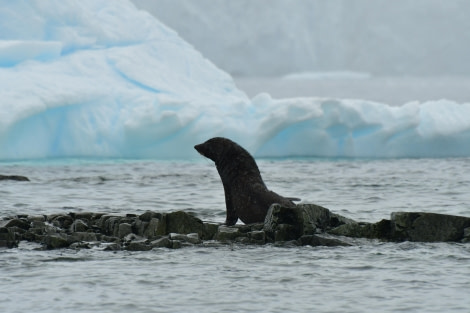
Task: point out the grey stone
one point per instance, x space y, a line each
84 236
154 228
7 238
79 226
183 223
228 233
14 177
176 244
428 227
209 231
379 230
138 246
112 247
16 222
55 242
147 216
315 240
164 242
190 238
38 218
124 230
257 237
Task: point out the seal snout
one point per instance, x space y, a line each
200 148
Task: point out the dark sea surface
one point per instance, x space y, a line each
371 276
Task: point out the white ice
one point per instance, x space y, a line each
100 78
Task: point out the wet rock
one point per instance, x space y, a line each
228 233
287 223
16 222
39 218
79 226
138 246
124 229
7 238
55 241
315 240
164 242
209 231
257 237
189 238
112 247
14 177
176 244
62 221
428 227
183 223
466 235
379 230
83 236
155 227
147 216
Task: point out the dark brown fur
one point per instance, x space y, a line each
246 195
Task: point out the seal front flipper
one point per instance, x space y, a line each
232 216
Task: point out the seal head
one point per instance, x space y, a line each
246 195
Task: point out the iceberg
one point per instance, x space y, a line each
99 78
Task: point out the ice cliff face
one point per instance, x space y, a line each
103 79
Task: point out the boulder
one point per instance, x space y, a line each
7 238
14 177
428 227
290 223
379 230
228 233
55 241
183 223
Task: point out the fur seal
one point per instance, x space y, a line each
246 196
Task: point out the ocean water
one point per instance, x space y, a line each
371 276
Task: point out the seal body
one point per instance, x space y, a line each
246 196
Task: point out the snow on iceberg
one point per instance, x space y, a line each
100 78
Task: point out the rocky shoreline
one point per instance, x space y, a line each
306 224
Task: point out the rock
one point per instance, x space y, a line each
16 222
228 233
183 223
112 247
209 230
164 242
138 246
83 236
315 240
55 241
176 244
379 230
14 177
189 238
286 223
39 218
124 230
7 238
466 235
62 221
257 237
147 216
154 228
428 227
79 226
